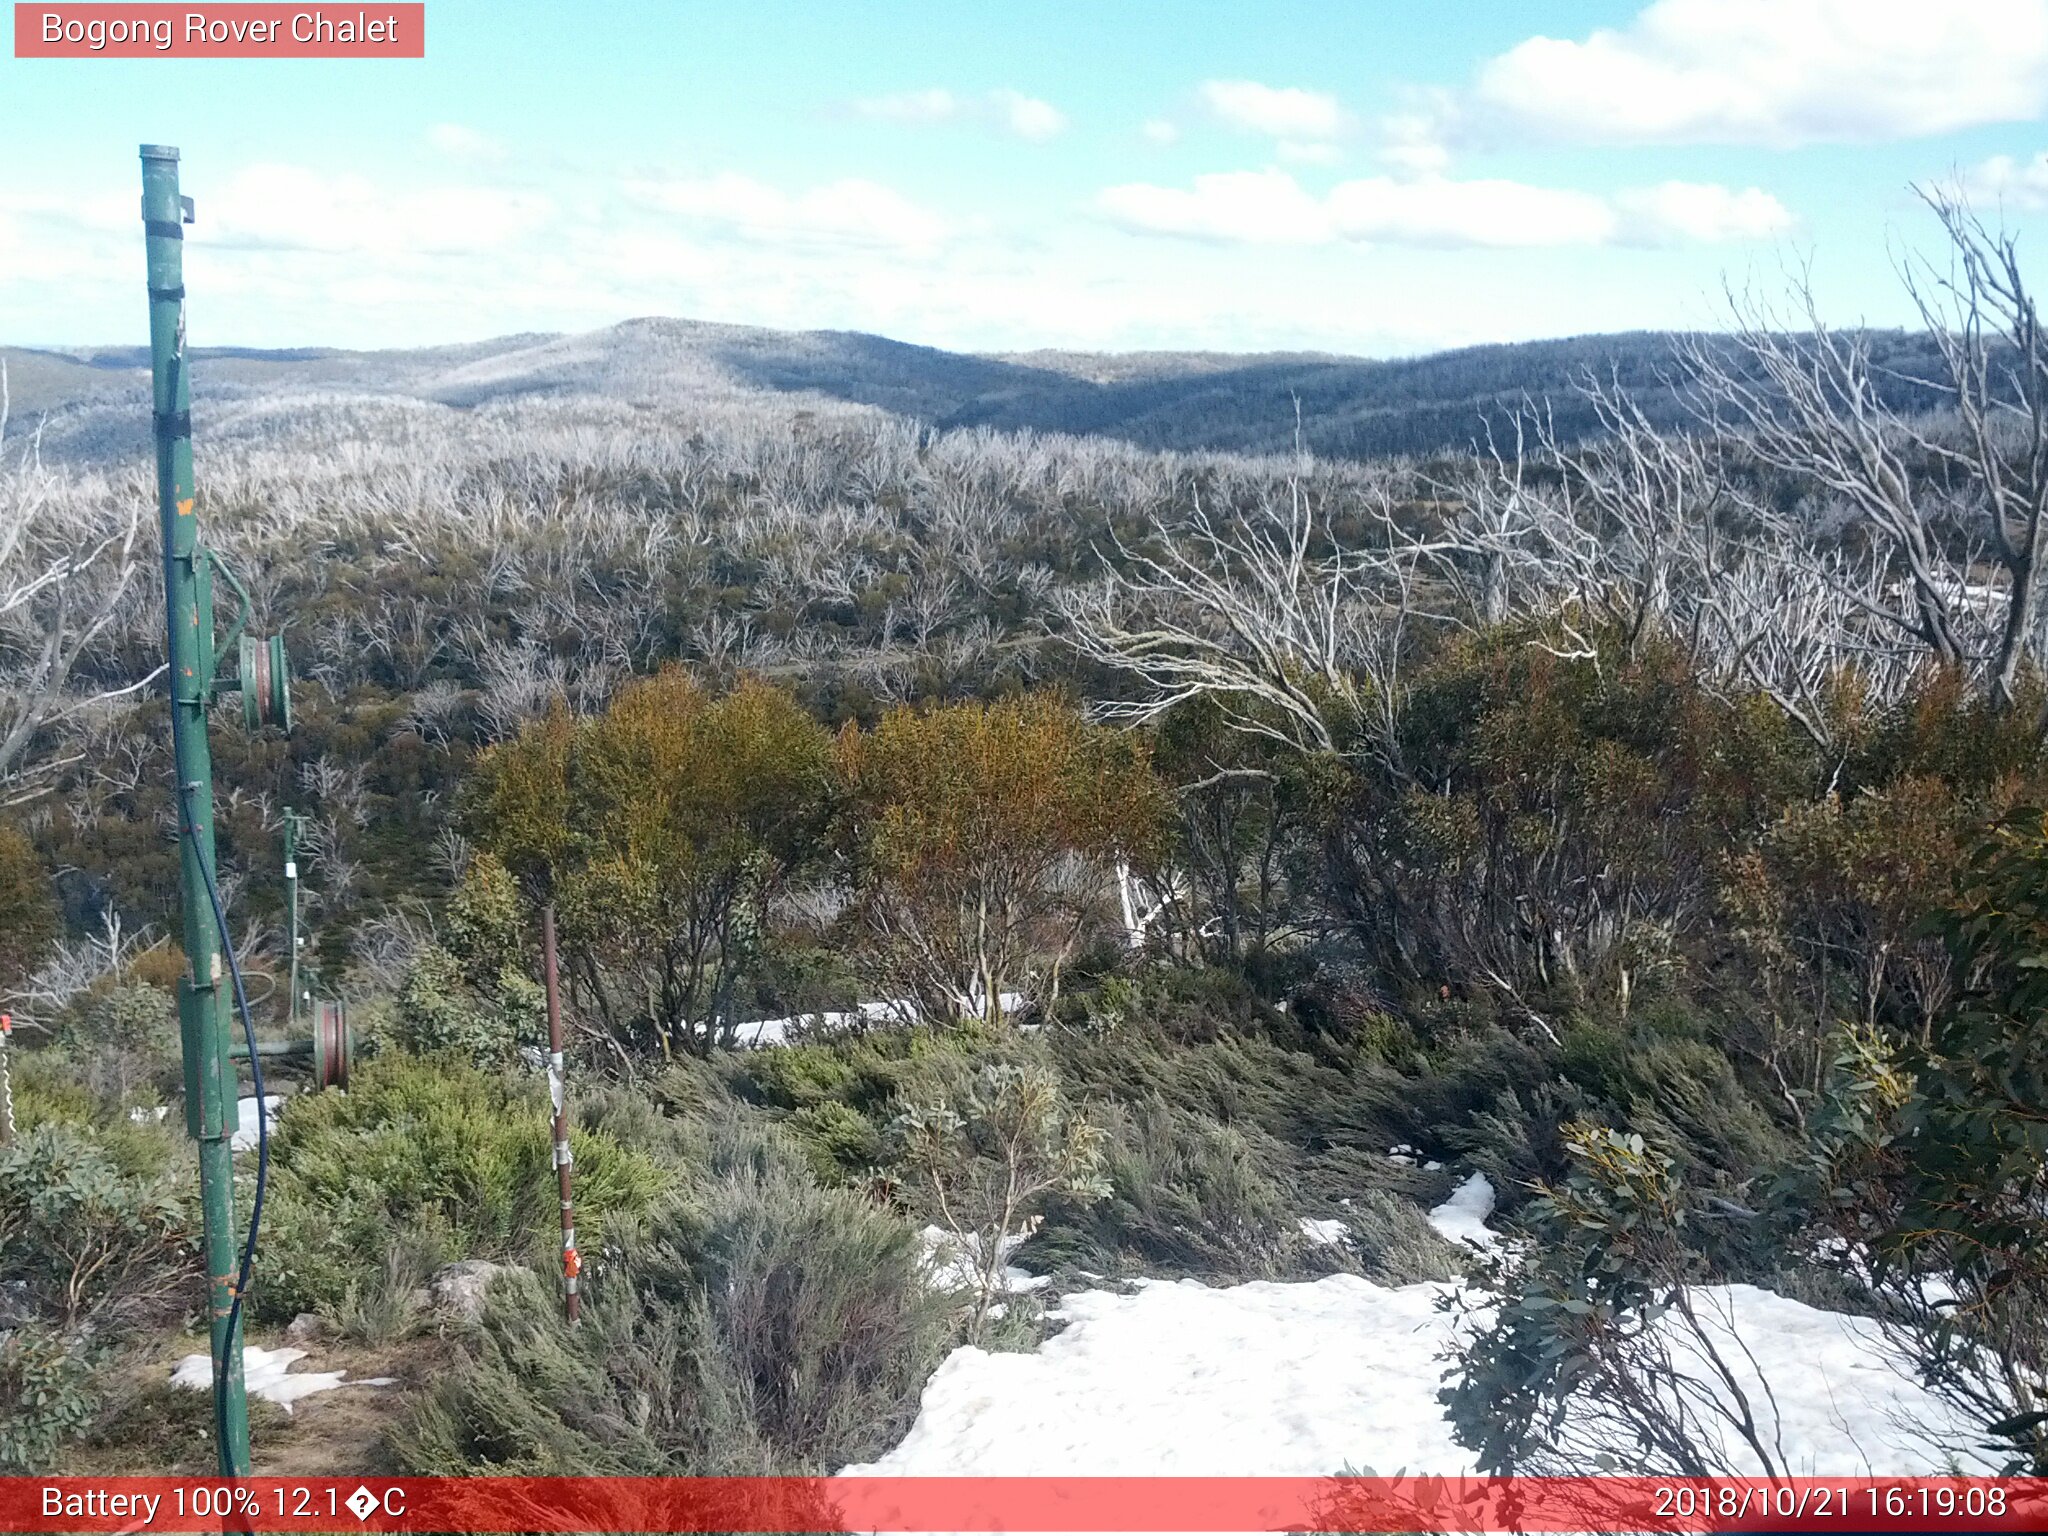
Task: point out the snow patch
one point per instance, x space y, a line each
760 1032
266 1373
1330 1231
1462 1218
1303 1379
244 1138
954 1263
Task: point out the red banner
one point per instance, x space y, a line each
974 1504
234 31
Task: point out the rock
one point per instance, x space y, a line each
306 1328
16 1306
459 1288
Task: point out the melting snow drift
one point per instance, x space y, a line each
1304 1379
1462 1218
1307 1379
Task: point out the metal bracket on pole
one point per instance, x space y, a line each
212 1097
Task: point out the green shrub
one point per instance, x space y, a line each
1679 1091
49 1090
1394 1242
124 1040
29 917
439 1011
795 1076
1601 1300
473 995
1232 1077
764 1326
1185 1194
46 1383
983 1159
388 1304
866 1071
840 1142
94 1245
428 1146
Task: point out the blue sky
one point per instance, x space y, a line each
1363 177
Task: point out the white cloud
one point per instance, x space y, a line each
1701 211
846 212
931 106
462 143
1780 72
1010 111
1413 141
2021 185
1027 116
1252 207
1438 211
1294 152
1280 112
1159 130
1272 208
99 212
290 207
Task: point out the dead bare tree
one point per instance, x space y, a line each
1946 511
1983 319
68 558
1260 613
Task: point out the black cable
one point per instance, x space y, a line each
227 944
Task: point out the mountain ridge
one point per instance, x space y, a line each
93 399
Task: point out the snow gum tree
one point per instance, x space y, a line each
660 829
1933 1155
982 838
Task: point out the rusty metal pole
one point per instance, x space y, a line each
6 1082
558 1094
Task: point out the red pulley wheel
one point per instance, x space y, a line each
333 1044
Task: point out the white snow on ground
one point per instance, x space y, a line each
1330 1231
244 1138
1306 1379
1266 1378
266 1374
757 1032
1462 1218
952 1263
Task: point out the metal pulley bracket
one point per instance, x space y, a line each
264 670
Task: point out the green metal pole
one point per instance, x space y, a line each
203 997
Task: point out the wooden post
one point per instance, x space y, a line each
558 1094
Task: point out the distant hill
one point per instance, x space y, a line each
93 402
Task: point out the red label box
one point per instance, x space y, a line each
372 30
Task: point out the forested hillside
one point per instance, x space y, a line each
88 401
